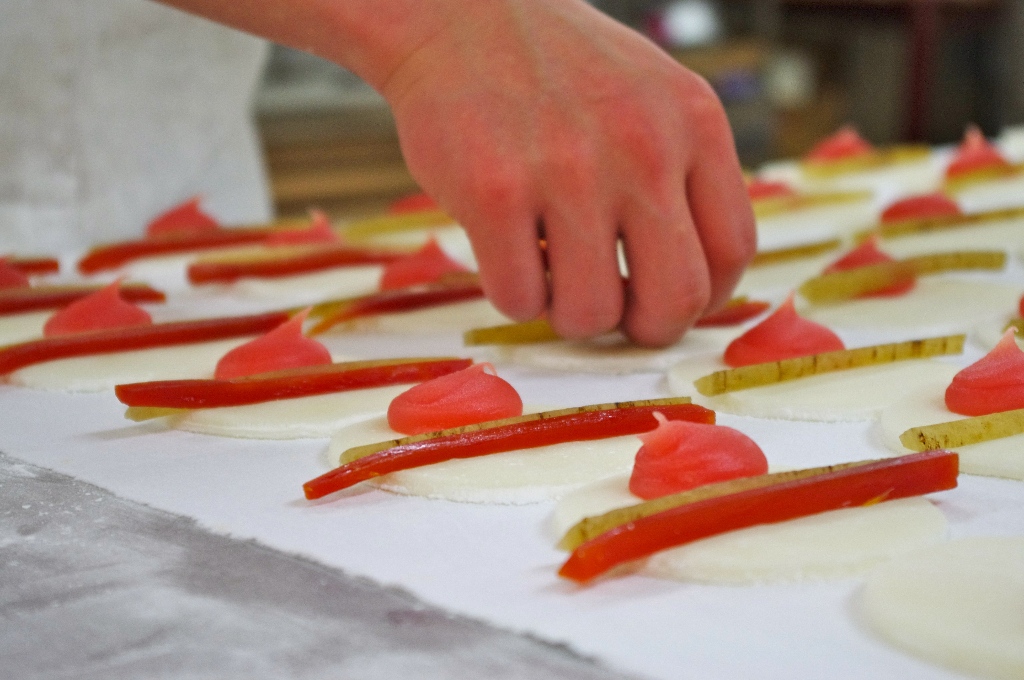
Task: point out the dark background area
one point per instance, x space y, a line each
788 71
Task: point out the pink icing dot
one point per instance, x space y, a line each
283 348
782 335
104 309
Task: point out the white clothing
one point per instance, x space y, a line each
113 110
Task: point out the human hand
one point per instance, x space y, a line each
529 118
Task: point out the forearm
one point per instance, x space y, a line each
369 37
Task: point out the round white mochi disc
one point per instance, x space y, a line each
812 224
313 417
995 458
987 335
936 306
781 277
337 282
996 235
454 318
995 194
15 328
613 353
510 478
828 545
959 605
103 371
917 176
452 239
855 394
914 177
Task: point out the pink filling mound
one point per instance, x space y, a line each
104 309
426 265
11 276
413 203
993 383
282 348
783 335
759 189
679 455
927 206
866 254
846 143
319 231
472 395
975 153
186 218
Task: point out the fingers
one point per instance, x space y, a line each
586 286
718 201
497 210
669 283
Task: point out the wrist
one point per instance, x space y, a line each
373 39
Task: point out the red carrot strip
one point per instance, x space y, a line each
400 300
525 433
18 300
315 259
882 480
34 266
733 314
301 382
118 254
24 354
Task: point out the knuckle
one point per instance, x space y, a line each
572 165
494 190
518 300
738 257
585 318
704 111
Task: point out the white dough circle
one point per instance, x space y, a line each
452 239
510 478
936 306
996 194
996 235
15 328
912 176
314 287
987 335
99 372
855 394
452 318
782 277
613 353
926 406
814 223
313 417
828 545
959 605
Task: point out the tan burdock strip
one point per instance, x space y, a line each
768 257
956 433
390 224
538 330
358 452
920 226
845 285
872 161
769 207
591 527
757 375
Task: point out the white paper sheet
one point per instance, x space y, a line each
492 562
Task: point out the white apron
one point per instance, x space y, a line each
111 111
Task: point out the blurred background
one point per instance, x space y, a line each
788 71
